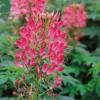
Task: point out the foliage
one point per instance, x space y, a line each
40 51
91 6
82 67
7 78
7 49
4 8
56 98
77 76
83 61
59 5
95 81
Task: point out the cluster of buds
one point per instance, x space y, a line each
74 19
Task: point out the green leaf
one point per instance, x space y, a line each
3 80
70 80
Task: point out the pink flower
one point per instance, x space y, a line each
75 16
60 68
20 8
42 47
57 81
51 70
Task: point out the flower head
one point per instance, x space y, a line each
20 8
75 16
42 45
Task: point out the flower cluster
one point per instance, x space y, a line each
42 42
74 20
42 45
75 16
26 8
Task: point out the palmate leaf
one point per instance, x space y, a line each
81 56
95 70
92 29
7 49
94 84
3 80
10 73
73 69
82 89
98 87
70 80
93 8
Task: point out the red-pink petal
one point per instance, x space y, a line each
18 55
57 81
32 63
60 58
45 68
50 71
60 69
42 50
38 69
